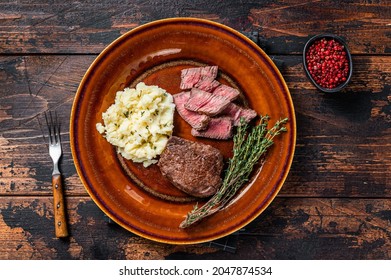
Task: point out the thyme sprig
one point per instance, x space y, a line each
248 148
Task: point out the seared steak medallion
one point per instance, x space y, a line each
195 168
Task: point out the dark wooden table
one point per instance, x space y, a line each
335 203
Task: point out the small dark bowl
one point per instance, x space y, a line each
342 42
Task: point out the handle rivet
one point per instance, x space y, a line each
59 223
58 205
56 186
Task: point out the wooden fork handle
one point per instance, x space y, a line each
59 207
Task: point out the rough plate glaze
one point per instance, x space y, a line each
140 199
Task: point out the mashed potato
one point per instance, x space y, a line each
139 123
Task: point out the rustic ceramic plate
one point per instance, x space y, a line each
140 199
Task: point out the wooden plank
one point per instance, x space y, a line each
343 140
86 27
31 86
289 229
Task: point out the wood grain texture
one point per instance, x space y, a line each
343 140
88 26
335 203
290 229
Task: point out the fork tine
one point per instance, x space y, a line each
49 129
53 125
57 125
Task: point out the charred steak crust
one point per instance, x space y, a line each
193 167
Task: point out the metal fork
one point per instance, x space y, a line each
55 153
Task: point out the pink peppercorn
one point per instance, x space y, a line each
327 63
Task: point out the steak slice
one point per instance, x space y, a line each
226 91
192 167
218 128
207 84
236 112
196 120
191 76
205 102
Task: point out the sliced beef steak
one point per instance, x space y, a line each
226 91
207 105
205 102
196 120
207 84
192 167
236 112
218 128
191 76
